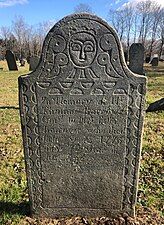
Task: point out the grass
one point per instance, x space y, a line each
14 208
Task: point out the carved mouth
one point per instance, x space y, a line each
81 60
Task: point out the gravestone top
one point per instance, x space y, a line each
11 60
136 58
82 114
154 61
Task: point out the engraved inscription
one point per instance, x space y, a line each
81 136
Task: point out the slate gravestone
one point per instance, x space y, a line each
34 60
156 106
154 61
11 62
136 58
147 60
82 117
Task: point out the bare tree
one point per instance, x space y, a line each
20 29
156 18
118 21
134 27
82 7
23 39
129 21
141 22
5 34
38 36
145 9
161 32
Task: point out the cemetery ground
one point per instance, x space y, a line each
14 206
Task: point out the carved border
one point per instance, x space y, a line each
32 149
31 136
132 153
33 162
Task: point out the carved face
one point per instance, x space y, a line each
82 49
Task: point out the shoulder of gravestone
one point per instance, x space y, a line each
27 78
134 77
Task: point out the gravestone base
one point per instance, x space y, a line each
85 212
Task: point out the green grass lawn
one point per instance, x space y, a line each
14 208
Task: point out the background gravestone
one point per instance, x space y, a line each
22 62
11 62
82 117
34 60
136 58
147 59
156 106
154 61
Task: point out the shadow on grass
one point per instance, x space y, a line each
22 209
154 75
9 107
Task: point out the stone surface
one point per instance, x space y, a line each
156 106
11 62
34 60
82 116
154 61
136 58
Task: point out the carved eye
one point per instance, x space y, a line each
76 47
88 48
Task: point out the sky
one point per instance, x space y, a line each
36 11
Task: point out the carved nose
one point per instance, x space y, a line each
82 55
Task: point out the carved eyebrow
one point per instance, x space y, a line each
89 42
76 42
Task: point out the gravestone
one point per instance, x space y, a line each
34 60
11 62
156 106
147 59
82 115
154 61
22 62
136 58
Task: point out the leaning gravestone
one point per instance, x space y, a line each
11 60
34 60
82 117
136 58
